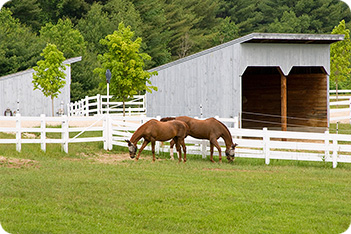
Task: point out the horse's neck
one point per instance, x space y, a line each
136 136
227 137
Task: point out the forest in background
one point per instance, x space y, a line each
170 29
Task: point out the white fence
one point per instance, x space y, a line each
340 108
23 125
264 144
101 104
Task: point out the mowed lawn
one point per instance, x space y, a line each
91 191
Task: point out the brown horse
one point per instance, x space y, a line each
154 130
210 129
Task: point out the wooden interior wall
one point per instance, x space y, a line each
261 98
306 99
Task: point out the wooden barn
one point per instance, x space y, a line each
279 81
16 92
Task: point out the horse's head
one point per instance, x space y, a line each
230 153
132 149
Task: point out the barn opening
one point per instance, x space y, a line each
296 102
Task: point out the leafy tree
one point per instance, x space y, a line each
340 56
28 12
49 76
19 47
68 40
126 64
226 31
155 32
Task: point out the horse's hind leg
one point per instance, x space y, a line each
184 149
171 149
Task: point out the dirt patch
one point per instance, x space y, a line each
110 158
18 163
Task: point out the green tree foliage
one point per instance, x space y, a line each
126 64
226 31
27 12
19 47
170 28
49 76
155 31
340 58
67 39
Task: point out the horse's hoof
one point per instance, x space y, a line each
212 161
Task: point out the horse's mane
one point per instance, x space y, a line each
225 127
165 119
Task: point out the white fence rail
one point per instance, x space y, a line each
340 108
100 104
264 144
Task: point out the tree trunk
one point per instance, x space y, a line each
124 107
52 106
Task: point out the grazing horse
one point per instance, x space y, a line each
154 130
210 129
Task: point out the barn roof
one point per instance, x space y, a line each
273 38
30 70
292 38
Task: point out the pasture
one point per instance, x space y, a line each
90 190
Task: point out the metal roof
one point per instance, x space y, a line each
30 70
292 38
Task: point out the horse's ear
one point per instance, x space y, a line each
235 144
129 143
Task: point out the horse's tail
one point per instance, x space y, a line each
165 119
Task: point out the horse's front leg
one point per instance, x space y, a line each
215 143
211 152
153 151
141 149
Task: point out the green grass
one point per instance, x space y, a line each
63 195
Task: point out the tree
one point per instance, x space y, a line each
49 76
226 31
340 56
19 47
67 39
126 64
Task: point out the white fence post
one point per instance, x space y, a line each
204 149
42 132
18 132
266 150
326 145
98 104
335 151
107 133
86 106
65 133
350 109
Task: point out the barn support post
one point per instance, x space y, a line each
283 91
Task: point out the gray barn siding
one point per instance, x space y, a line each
19 86
212 78
285 56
